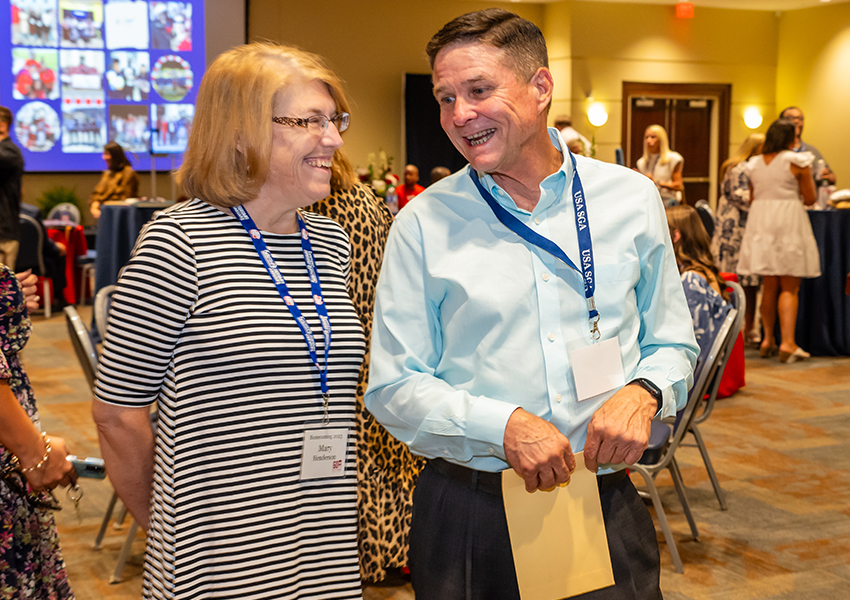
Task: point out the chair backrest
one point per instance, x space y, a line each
65 212
706 215
739 301
102 304
619 157
83 347
707 382
30 253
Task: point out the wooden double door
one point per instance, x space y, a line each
696 118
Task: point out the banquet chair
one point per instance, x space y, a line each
102 304
619 157
65 212
83 347
86 264
31 256
665 437
739 301
706 215
88 357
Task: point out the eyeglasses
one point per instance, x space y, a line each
317 124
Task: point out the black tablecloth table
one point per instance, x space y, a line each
823 320
117 231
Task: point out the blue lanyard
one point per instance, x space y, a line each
280 283
585 244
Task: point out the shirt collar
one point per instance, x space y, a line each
551 188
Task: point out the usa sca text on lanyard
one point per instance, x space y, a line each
585 244
280 283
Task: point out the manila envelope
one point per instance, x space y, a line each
557 537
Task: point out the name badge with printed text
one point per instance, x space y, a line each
597 368
324 453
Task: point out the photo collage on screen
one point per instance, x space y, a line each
86 72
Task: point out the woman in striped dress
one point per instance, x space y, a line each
234 317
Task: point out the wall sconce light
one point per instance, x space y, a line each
596 114
752 117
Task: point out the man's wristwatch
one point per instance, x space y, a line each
649 387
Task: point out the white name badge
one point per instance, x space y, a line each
324 453
597 369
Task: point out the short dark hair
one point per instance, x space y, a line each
787 108
779 136
521 40
117 159
6 115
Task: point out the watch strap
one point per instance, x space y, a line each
650 387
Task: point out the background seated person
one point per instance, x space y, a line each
53 254
119 180
438 173
411 187
705 290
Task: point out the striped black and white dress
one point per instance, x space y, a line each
198 327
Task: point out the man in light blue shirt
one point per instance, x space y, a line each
475 327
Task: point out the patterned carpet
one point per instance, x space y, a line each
781 447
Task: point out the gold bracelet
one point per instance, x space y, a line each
43 460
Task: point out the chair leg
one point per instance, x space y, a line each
48 299
703 450
125 553
106 517
119 521
679 484
662 517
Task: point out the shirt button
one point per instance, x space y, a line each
558 397
491 451
551 337
537 220
545 276
446 452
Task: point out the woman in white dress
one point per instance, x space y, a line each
662 165
234 317
778 241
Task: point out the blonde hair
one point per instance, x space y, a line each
664 143
751 146
229 150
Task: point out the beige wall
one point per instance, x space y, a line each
371 44
613 43
813 72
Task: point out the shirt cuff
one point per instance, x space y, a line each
486 425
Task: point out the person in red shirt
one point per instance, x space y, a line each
411 187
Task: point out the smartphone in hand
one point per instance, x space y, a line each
88 467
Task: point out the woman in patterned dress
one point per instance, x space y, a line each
31 564
234 317
732 210
386 469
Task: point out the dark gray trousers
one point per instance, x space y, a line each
460 549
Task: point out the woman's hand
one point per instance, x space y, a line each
28 283
56 470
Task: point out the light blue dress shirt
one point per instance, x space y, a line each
472 322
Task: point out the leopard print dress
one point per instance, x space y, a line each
386 470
